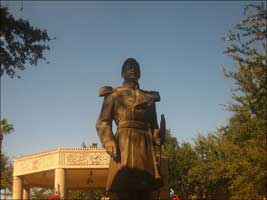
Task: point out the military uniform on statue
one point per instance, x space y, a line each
133 171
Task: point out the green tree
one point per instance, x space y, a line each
6 169
6 176
181 158
186 158
248 49
20 44
246 131
6 128
208 172
169 150
40 193
94 194
231 162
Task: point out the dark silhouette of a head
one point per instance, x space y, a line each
130 62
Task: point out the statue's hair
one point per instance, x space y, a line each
133 62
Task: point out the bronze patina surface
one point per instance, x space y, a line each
133 169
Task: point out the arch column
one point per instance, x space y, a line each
17 188
26 193
60 183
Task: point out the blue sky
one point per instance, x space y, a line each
179 47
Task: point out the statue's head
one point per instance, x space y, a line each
130 70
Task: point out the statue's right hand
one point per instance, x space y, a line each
111 148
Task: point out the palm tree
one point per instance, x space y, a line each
6 128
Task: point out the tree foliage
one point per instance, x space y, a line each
5 166
6 173
89 194
181 158
208 173
40 193
248 49
6 169
6 127
20 44
86 194
230 163
246 131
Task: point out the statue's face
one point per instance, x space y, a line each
131 73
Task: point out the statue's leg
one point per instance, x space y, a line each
135 195
126 196
112 196
144 195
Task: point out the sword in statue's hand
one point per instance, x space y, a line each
162 129
162 134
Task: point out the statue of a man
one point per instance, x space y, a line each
133 169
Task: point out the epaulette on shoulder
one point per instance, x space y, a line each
155 95
105 91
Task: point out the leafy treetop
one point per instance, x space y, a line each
20 44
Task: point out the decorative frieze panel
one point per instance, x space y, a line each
61 158
35 164
87 159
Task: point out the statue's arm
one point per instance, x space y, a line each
154 122
104 121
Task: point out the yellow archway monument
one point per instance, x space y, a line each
67 168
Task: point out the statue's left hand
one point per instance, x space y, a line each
111 148
156 137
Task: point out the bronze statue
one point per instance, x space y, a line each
133 172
